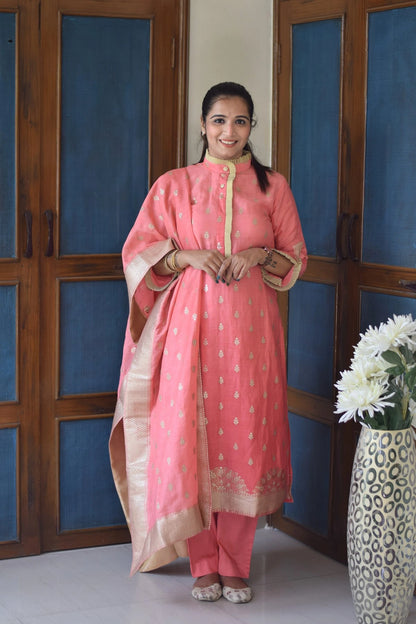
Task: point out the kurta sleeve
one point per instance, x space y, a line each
150 239
288 236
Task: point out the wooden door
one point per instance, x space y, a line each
100 113
19 313
109 72
344 128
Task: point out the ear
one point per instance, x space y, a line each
203 131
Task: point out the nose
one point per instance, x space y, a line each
228 128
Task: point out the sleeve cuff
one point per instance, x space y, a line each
283 283
159 283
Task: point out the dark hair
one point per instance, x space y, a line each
233 89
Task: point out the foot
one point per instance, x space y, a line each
207 588
235 582
235 589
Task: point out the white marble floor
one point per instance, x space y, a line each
292 585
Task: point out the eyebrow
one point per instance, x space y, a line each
236 117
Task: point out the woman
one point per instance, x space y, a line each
200 444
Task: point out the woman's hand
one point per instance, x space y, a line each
237 265
208 260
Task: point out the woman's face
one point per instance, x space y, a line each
227 128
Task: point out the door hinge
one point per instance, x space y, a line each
173 53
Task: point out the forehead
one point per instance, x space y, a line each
230 106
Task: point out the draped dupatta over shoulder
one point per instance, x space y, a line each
201 418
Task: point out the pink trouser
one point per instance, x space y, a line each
224 548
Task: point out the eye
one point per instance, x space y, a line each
241 122
218 120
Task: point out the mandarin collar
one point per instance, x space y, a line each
241 164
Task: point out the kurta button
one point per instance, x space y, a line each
221 195
225 168
222 185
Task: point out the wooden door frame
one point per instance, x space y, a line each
103 266
24 414
342 441
21 271
351 201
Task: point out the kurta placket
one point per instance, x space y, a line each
231 171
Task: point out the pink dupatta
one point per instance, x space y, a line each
160 471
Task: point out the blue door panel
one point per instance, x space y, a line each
104 176
311 463
88 497
389 235
316 50
7 134
8 303
8 485
104 131
93 319
311 338
376 308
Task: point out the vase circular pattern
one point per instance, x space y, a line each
381 534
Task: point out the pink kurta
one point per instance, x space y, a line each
201 422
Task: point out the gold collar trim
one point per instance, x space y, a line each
246 157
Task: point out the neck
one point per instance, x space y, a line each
245 156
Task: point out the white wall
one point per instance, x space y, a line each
231 40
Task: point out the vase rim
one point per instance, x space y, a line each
386 430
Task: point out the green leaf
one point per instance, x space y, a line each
408 420
410 378
375 422
378 421
406 353
392 357
394 417
395 371
397 394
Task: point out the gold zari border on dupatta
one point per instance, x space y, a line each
130 449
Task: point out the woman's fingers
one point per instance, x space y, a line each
225 271
219 268
208 260
212 263
236 266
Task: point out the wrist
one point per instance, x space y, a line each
266 256
171 262
181 259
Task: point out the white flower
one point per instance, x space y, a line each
361 399
363 389
398 331
401 331
372 343
365 368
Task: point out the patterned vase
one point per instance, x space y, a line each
381 534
